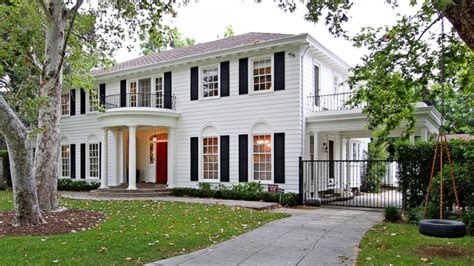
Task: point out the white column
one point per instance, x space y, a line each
132 158
116 157
121 158
105 161
171 157
316 148
424 134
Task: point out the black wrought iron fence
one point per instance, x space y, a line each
154 100
358 183
332 102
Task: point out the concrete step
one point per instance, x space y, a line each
136 191
129 193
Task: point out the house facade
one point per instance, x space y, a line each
239 109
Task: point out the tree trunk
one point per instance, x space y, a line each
48 142
461 16
25 199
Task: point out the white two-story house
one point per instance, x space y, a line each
238 109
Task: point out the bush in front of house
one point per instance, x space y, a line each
76 185
392 214
468 219
252 191
415 161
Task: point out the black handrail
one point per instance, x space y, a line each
152 100
332 102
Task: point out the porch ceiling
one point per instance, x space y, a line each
138 116
353 123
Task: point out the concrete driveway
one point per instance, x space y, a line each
320 236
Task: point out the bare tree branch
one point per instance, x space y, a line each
72 12
46 10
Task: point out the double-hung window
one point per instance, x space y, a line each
355 151
262 158
262 74
133 94
65 161
65 104
93 160
335 83
159 92
210 82
93 100
210 155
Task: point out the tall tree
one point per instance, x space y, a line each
174 40
70 31
405 60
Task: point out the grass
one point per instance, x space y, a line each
135 232
397 244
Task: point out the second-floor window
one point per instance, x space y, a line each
133 94
210 82
93 100
65 104
262 74
335 83
159 92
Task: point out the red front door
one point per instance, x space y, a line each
161 162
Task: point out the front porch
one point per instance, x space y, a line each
138 148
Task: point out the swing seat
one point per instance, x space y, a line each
442 228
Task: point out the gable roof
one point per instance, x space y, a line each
241 40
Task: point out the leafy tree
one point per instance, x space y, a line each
404 61
61 41
229 31
175 40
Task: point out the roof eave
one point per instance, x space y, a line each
300 38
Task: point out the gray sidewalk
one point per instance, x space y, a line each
256 205
321 236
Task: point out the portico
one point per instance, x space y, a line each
142 145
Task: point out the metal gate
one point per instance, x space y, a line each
357 183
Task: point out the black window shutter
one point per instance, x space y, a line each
83 160
279 70
225 159
123 93
224 79
243 76
102 94
194 159
83 101
167 90
194 83
100 160
72 154
243 158
72 101
279 160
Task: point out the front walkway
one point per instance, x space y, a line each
322 236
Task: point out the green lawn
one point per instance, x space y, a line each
398 244
134 232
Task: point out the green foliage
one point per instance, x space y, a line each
247 191
392 214
229 31
7 178
468 219
176 40
415 161
376 168
67 184
134 233
415 214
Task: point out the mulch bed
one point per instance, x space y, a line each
67 221
444 252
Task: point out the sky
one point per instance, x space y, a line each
204 20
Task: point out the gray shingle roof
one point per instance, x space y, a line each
246 39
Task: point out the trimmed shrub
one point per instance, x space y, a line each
468 219
375 172
392 214
76 185
415 162
252 191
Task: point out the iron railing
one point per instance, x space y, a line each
153 100
332 102
359 183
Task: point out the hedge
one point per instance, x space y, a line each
252 191
76 185
415 161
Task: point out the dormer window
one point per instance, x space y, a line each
262 74
210 82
